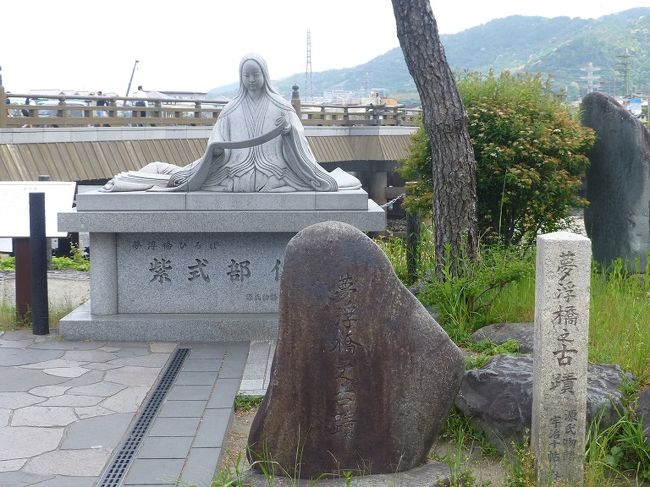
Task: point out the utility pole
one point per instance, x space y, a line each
128 88
309 87
592 81
626 67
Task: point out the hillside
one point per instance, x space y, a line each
558 47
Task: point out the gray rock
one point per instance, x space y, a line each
643 412
498 398
618 182
499 333
361 370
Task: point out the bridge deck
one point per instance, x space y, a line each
99 153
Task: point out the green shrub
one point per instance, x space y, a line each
530 156
463 299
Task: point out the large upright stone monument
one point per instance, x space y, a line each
618 183
363 376
560 357
195 252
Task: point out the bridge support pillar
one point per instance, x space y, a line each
378 181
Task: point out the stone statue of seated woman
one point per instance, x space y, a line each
257 145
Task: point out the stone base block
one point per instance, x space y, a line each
432 474
80 324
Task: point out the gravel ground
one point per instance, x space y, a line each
66 289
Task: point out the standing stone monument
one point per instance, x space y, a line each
618 183
362 377
560 357
195 252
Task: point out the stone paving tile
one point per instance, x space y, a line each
162 347
126 352
207 351
15 379
15 343
21 479
12 465
200 466
91 412
89 355
103 389
133 376
15 400
73 463
156 360
224 393
49 391
73 401
101 366
27 442
174 427
43 416
197 393
213 427
201 365
182 409
17 356
189 378
126 401
61 481
152 471
4 417
51 364
165 447
64 345
233 364
67 371
92 377
101 431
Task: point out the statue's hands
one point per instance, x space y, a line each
282 121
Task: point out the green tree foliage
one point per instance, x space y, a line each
530 156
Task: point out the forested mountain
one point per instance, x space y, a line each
560 47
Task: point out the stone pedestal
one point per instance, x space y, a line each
560 357
195 266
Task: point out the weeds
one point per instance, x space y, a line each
246 403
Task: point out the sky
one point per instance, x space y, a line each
196 45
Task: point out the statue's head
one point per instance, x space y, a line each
252 76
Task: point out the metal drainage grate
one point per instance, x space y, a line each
113 475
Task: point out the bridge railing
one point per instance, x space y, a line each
76 110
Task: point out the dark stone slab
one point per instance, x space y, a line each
182 409
499 333
165 447
174 427
200 466
105 431
618 182
213 427
154 471
498 397
362 377
432 474
224 393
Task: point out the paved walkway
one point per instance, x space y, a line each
65 407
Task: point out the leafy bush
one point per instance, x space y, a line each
530 156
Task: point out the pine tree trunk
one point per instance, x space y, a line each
445 120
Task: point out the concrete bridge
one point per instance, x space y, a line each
94 154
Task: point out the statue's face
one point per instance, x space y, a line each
252 76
